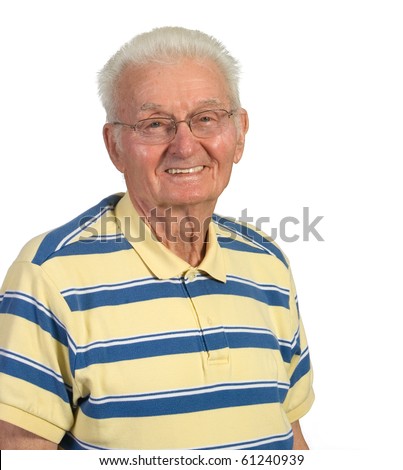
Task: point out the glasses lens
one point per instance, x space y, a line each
209 123
155 130
160 130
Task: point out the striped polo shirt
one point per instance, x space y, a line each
110 341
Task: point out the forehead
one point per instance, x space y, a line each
182 85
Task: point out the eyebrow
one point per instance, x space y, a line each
208 102
211 102
147 106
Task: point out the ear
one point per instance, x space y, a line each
112 146
243 126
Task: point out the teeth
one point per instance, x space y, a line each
174 171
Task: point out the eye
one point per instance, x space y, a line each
205 118
154 125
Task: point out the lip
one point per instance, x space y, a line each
194 170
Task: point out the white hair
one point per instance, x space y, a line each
165 45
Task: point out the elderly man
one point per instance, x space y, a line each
148 322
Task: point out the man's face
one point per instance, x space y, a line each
177 91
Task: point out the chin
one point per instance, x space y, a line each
192 200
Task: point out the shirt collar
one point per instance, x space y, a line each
162 262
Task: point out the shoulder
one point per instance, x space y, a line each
240 236
54 242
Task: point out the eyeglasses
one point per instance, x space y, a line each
161 130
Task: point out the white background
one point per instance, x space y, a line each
322 81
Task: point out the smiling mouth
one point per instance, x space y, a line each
175 171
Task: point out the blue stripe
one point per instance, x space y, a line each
270 295
171 343
122 295
26 306
202 399
82 299
290 348
251 235
93 246
104 353
244 339
303 367
25 369
53 239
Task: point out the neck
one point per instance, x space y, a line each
183 230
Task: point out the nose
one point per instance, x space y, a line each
184 142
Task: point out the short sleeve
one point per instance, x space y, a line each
300 396
36 379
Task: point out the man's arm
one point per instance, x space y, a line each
15 438
299 440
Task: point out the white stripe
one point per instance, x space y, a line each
292 343
241 280
304 354
118 286
113 236
180 334
147 281
32 364
242 235
43 309
246 329
183 393
82 227
72 345
250 443
144 339
282 290
37 304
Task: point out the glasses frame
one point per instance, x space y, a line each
175 123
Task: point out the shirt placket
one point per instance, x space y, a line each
212 332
